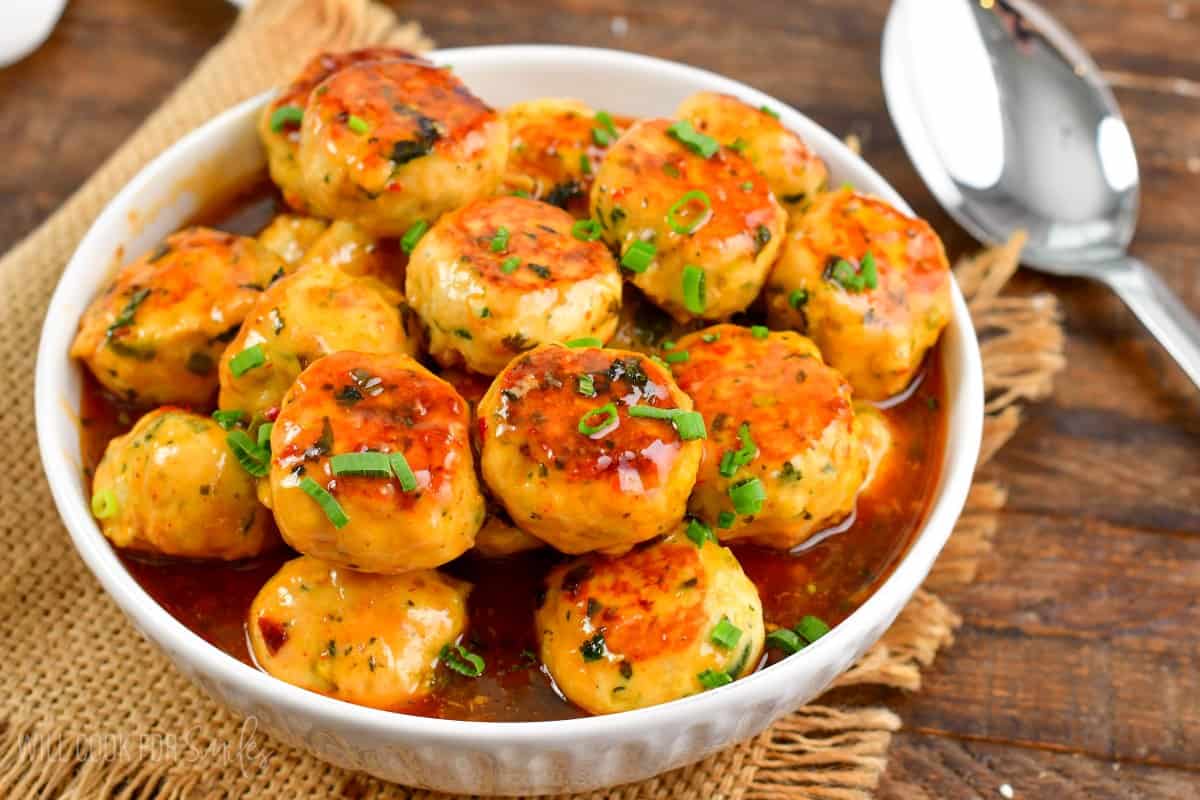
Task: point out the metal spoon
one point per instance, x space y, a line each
1011 125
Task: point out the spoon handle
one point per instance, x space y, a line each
1160 310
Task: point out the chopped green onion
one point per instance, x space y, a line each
738 145
694 289
669 344
413 235
462 660
769 111
357 124
711 679
748 496
868 271
227 419
327 502
843 273
726 634
247 360
811 628
104 504
130 309
748 186
368 464
586 385
253 458
701 144
690 425
709 338
500 240
285 116
677 357
585 164
510 265
733 460
264 435
608 417
606 122
652 412
639 256
699 533
797 298
586 341
759 331
786 640
586 230
694 195
404 473
725 520
593 649
602 137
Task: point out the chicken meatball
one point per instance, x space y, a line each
391 143
586 447
279 125
870 285
555 146
155 334
697 234
305 316
505 274
356 252
664 621
373 640
783 459
499 538
794 173
172 487
371 465
290 236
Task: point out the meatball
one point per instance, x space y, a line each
697 234
371 465
505 274
782 460
290 236
794 173
391 143
875 433
373 640
664 621
309 314
172 487
356 252
870 285
155 334
555 146
499 537
584 447
279 125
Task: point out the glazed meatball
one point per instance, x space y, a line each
391 143
373 640
870 285
703 231
499 538
409 500
875 433
291 236
356 252
664 621
565 452
794 173
555 146
305 316
502 275
155 334
782 460
172 487
279 125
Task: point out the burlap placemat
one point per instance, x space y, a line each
89 709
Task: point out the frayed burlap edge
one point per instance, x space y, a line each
49 749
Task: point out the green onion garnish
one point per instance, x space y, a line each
593 649
677 357
247 360
694 289
725 520
639 256
357 124
227 419
128 312
586 341
684 229
104 504
607 415
264 435
726 634
413 235
462 660
602 137
606 122
403 472
699 533
759 331
701 144
585 164
253 458
690 425
500 240
733 460
811 628
738 145
652 412
368 464
786 640
327 502
510 265
797 298
843 273
709 338
586 385
286 116
769 111
711 679
747 496
586 230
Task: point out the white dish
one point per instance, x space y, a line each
455 756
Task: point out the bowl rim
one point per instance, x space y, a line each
963 433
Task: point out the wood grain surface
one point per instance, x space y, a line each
1077 672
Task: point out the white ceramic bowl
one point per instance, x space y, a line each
478 757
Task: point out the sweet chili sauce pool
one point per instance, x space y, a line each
829 579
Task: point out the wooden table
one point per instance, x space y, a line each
1077 672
